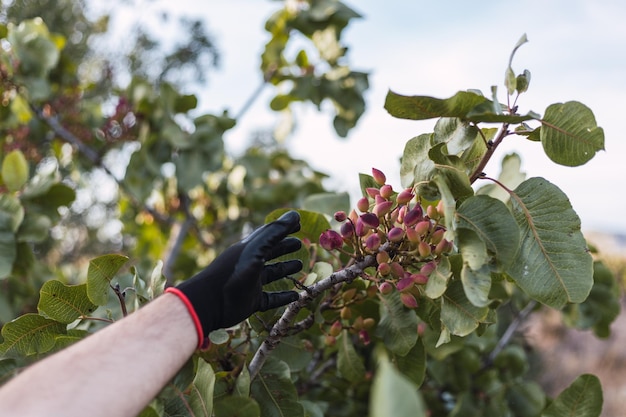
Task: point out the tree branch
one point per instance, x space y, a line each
94 157
510 331
491 148
283 326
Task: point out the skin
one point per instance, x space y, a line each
114 372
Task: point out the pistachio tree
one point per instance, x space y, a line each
410 298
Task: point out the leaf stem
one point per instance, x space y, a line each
121 297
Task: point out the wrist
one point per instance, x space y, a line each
191 310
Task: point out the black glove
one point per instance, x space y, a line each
229 290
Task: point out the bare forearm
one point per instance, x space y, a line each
115 372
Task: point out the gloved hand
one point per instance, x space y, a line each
230 289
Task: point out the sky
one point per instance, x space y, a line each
576 51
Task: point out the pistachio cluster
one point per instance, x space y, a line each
406 238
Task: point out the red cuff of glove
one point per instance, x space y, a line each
192 312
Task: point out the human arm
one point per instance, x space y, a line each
116 371
120 369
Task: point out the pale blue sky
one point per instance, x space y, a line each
577 51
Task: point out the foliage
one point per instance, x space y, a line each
410 302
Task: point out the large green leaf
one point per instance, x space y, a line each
201 392
275 392
569 133
552 265
424 107
458 314
349 362
64 303
99 275
413 365
494 224
398 325
393 394
236 407
30 334
583 398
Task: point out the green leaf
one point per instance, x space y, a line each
569 134
219 336
510 176
11 213
583 398
292 350
275 392
34 47
349 362
393 394
602 306
494 224
438 279
242 383
201 391
398 325
526 399
552 265
448 199
416 166
510 81
8 252
237 407
484 113
35 228
455 133
312 224
452 169
8 369
424 107
475 273
366 181
458 314
30 334
64 303
14 170
413 365
327 203
99 275
157 282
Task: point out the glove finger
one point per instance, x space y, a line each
285 246
272 300
279 270
266 237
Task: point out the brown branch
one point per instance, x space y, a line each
283 326
510 331
121 298
491 148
